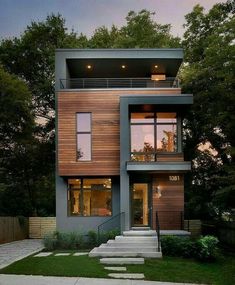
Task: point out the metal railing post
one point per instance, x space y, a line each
158 231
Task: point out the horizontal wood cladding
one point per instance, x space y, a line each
170 205
168 157
104 106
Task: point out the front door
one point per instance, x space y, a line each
140 204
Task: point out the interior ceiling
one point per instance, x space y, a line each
112 68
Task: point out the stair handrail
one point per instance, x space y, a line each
158 232
105 222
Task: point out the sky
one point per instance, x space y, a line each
84 16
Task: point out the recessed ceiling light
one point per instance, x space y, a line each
123 66
88 66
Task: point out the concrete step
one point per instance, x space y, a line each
126 275
115 268
125 254
129 244
139 233
122 260
140 228
123 249
132 239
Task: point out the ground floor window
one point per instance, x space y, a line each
90 197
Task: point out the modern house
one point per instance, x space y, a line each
119 138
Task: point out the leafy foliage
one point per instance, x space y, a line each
204 249
140 31
74 240
209 140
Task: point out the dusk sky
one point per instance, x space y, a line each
84 16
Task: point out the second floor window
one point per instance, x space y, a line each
152 133
83 136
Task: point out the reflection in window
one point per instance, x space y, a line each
166 138
152 133
84 136
92 197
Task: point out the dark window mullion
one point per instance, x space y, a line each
155 136
81 200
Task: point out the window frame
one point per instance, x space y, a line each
155 124
81 202
83 133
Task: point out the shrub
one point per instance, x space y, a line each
92 239
49 242
176 246
106 235
59 240
206 248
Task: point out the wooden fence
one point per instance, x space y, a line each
193 226
13 228
41 226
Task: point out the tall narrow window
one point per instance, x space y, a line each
84 136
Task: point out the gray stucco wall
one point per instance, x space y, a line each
65 223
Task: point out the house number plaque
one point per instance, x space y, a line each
174 178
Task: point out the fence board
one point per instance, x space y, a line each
13 228
41 226
193 226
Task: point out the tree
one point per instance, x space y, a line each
31 57
25 182
209 75
140 31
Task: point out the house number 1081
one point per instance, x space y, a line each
174 178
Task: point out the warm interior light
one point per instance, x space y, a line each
88 66
155 66
158 192
158 77
123 66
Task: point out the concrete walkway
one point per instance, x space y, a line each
42 280
13 251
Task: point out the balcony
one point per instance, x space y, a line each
104 83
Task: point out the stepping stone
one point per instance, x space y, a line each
116 268
121 260
80 253
43 254
127 275
62 254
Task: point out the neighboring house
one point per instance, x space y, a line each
119 138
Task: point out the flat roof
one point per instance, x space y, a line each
108 62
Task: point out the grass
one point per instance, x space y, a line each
171 269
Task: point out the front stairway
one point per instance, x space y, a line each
138 242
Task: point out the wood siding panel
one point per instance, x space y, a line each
104 106
170 205
39 227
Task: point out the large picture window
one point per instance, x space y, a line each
152 133
83 136
90 197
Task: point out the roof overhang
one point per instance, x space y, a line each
108 62
163 102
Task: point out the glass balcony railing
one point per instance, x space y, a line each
103 83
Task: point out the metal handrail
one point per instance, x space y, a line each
158 232
107 221
137 82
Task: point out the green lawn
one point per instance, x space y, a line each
173 269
